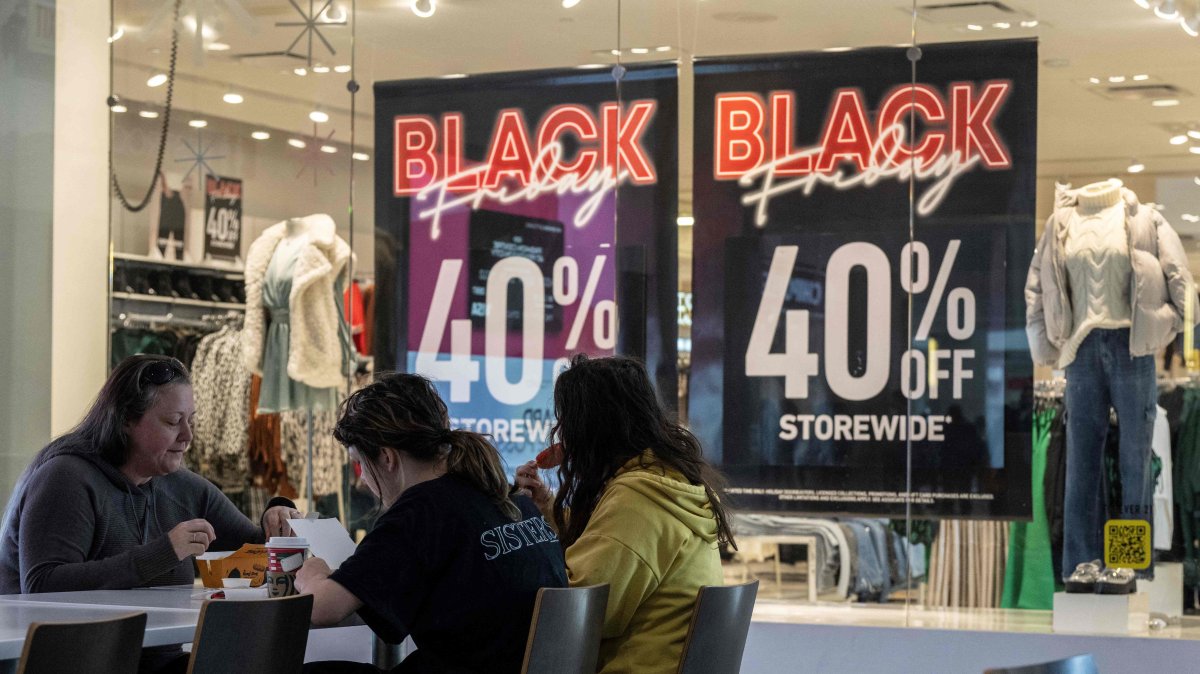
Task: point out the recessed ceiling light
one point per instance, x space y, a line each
1190 217
1002 25
1140 78
615 52
341 69
1179 140
260 135
148 114
592 66
1136 167
328 149
218 46
1165 102
319 116
320 70
1094 80
1195 149
663 48
1116 79
297 143
454 76
685 221
639 50
117 35
1032 23
361 156
974 26
1166 10
1194 134
1196 180
424 8
156 80
198 123
233 98
836 49
300 71
568 4
119 108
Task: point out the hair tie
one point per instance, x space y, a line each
446 437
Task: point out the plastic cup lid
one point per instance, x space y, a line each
287 542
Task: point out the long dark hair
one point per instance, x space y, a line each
405 412
127 394
608 413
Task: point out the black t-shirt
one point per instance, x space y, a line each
447 567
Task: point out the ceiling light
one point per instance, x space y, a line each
1196 180
424 8
662 48
1179 140
319 116
320 70
1144 4
1029 24
1094 80
117 35
568 4
1190 217
297 143
1194 134
1116 79
341 69
639 50
119 108
260 135
592 66
328 17
1195 149
1136 167
361 156
1002 25
207 33
836 49
615 52
328 149
218 46
1140 78
685 221
198 123
1166 10
232 98
974 26
1165 102
148 114
156 80
1191 24
454 76
300 71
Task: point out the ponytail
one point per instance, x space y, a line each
473 458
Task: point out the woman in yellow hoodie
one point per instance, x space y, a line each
638 509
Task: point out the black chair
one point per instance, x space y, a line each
96 647
266 636
564 637
716 637
1079 664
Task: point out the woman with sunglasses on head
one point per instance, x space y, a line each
454 561
638 508
110 506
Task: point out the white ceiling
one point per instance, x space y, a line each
1079 132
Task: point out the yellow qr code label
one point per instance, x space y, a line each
1127 544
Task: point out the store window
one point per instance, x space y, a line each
917 275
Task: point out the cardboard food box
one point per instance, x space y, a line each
248 561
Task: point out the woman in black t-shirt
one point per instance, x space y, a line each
454 561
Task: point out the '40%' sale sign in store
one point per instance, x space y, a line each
847 358
524 218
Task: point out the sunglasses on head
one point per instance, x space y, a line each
160 373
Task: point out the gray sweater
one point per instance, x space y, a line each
75 522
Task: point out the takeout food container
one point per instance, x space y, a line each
248 561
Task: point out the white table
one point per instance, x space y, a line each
171 617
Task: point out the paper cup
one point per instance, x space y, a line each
285 556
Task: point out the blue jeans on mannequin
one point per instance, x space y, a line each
1104 374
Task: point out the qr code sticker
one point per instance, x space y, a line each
1127 544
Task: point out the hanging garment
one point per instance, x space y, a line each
327 455
368 335
355 316
221 386
1029 576
266 458
967 564
1164 489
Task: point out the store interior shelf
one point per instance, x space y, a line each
233 272
181 301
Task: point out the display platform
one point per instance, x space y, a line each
867 639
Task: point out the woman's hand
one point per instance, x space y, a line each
275 520
314 571
191 538
529 483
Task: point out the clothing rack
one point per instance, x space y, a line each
1050 388
154 321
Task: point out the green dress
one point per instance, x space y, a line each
1029 580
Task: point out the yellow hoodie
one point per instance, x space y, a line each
653 539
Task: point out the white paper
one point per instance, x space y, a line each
327 539
209 556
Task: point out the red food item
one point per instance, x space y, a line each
550 457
